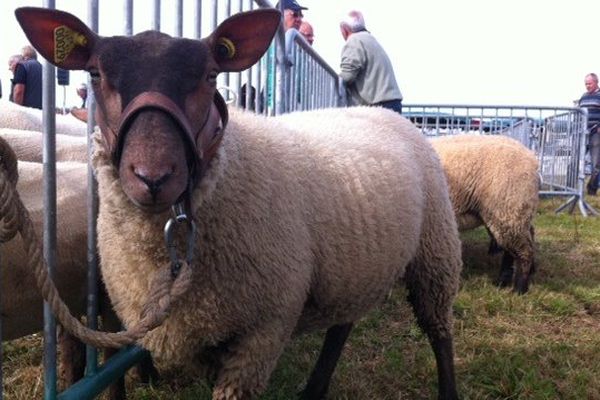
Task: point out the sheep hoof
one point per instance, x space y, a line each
521 285
505 278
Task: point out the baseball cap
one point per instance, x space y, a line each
291 5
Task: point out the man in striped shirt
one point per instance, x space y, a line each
591 101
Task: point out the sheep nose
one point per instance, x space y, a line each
153 184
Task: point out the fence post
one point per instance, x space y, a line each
49 240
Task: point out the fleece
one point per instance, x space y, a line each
18 117
21 299
493 181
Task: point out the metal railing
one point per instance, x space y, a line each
557 135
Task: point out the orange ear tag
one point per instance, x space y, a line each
65 40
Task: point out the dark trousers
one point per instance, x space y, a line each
594 143
394 105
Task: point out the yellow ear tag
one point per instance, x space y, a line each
225 48
65 40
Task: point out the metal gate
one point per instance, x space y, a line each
557 135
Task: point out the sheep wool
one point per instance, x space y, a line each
27 145
494 181
18 117
299 228
21 299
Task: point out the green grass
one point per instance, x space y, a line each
543 345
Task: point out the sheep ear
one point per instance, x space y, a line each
240 41
60 37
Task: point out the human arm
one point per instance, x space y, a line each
353 61
19 80
19 94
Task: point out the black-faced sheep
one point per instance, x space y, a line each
494 181
296 229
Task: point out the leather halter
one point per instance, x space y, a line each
205 141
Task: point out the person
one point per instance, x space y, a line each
366 69
306 30
12 65
81 113
82 93
28 80
292 14
590 100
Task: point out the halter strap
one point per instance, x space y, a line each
205 141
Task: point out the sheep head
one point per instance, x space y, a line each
158 107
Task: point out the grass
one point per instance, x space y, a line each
544 345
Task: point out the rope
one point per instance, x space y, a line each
165 289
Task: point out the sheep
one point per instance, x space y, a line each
21 300
28 145
15 116
296 229
494 181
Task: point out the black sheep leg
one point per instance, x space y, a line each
507 270
318 383
431 297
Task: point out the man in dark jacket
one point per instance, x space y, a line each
28 80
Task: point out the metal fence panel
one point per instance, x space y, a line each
557 135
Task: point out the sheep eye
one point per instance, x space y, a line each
212 77
95 75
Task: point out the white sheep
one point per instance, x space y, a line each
494 181
21 299
28 145
15 116
22 311
296 229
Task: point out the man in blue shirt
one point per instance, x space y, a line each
590 100
28 80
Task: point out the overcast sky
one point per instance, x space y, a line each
521 52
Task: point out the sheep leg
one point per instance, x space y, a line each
431 298
494 247
248 361
506 270
147 372
318 383
518 243
71 357
525 263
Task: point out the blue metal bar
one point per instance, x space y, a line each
92 385
156 16
49 240
179 18
128 23
198 20
92 213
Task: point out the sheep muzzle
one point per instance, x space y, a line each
201 146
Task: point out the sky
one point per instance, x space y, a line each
475 52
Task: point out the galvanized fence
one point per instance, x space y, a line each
557 135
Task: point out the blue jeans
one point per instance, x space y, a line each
394 105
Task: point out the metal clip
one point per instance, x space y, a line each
180 218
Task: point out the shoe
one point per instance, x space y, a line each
592 192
